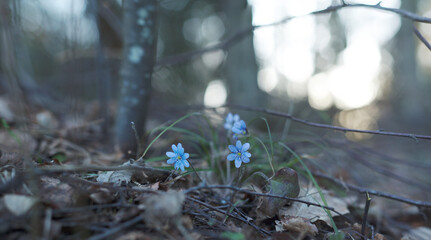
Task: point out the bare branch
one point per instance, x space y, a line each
421 37
327 126
237 189
230 215
373 192
175 59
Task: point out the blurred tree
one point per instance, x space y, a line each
109 38
139 52
406 85
16 65
241 66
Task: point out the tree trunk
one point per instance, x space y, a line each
406 85
241 66
139 52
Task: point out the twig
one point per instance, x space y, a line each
120 227
373 192
260 194
364 219
175 59
327 126
92 168
385 172
421 37
230 215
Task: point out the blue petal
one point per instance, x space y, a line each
228 126
231 156
237 163
236 118
245 159
171 161
245 147
185 156
174 147
180 149
186 163
177 164
247 154
238 145
170 154
242 124
233 149
229 117
236 130
182 166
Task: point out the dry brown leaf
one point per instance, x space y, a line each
5 111
17 142
296 224
57 193
135 235
314 213
155 186
420 233
18 204
163 209
102 196
116 177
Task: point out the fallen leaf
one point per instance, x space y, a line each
102 196
420 233
295 224
284 183
5 112
155 186
135 235
57 193
116 177
163 209
18 204
315 213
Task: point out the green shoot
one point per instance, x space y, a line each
316 185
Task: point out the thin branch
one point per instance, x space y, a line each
237 189
421 37
93 168
175 59
230 215
356 155
327 126
373 192
120 227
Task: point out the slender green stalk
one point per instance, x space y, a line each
166 129
313 180
270 139
267 153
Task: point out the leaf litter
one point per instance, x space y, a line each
144 201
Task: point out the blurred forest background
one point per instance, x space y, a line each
356 67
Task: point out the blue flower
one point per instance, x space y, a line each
239 128
239 153
178 157
230 120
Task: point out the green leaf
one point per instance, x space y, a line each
337 236
233 235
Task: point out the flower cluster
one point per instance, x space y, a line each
236 125
178 157
230 120
238 153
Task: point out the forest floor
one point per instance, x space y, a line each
59 180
